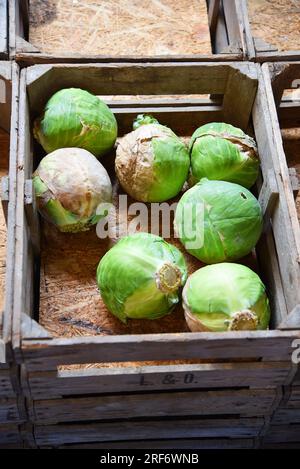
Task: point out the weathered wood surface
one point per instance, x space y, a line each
9 435
54 435
45 385
283 434
6 387
212 443
193 403
9 411
3 29
48 354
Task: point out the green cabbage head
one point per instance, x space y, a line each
76 118
70 184
225 297
227 216
220 151
152 163
141 277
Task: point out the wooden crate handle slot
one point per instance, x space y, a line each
32 215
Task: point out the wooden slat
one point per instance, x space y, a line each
289 114
48 354
234 24
54 435
283 434
9 411
284 416
45 385
9 434
6 388
192 403
150 78
285 56
284 221
213 443
239 97
3 29
11 208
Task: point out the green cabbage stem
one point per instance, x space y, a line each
169 278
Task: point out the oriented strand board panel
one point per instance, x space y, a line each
277 22
120 27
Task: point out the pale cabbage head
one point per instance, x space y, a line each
70 186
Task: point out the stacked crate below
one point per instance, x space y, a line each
12 412
41 32
98 382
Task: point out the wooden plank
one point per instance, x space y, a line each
192 403
213 14
6 388
3 29
212 443
233 14
297 378
283 434
9 434
106 79
9 411
45 385
29 59
284 221
239 97
54 435
294 399
48 354
284 416
289 114
287 56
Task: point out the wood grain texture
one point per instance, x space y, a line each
9 435
3 29
9 411
45 385
192 403
54 435
211 443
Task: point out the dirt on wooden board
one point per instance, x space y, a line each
277 22
119 27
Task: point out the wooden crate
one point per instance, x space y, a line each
227 31
235 384
3 29
273 36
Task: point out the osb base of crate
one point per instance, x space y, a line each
4 151
152 27
276 22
